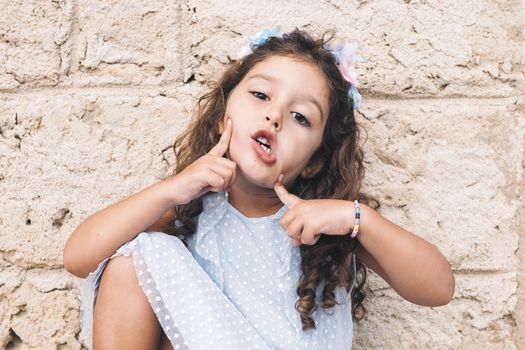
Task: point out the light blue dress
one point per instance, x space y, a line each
234 287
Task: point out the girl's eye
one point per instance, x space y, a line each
301 119
260 95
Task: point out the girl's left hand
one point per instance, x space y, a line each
307 219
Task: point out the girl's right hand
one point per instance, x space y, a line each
100 235
211 172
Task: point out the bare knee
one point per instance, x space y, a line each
123 317
120 272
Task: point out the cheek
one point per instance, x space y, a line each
292 154
300 140
230 113
240 138
297 151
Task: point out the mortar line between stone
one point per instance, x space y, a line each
161 91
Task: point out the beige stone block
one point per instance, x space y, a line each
123 42
33 42
451 171
68 155
41 320
413 48
479 317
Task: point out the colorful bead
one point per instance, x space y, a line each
357 221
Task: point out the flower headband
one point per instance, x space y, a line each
344 54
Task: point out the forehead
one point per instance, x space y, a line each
296 74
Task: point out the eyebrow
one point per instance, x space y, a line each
307 97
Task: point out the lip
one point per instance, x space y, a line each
267 158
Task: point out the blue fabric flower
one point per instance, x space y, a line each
262 36
355 96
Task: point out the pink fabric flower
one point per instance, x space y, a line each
347 57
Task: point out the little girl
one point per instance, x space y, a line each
210 258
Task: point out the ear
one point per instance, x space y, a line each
313 168
221 126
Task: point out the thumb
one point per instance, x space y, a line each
286 197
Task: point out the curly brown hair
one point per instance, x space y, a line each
329 261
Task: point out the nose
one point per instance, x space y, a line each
274 118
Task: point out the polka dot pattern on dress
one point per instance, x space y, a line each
233 287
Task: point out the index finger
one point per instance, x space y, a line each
224 142
286 197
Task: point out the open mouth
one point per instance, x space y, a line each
265 144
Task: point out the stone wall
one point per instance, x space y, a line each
93 93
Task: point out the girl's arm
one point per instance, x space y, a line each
413 267
101 234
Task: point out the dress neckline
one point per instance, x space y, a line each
245 218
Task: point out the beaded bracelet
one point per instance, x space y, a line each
357 219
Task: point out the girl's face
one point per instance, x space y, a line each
278 112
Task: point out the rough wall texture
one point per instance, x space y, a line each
92 94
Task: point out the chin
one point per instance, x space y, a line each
254 171
263 182
259 179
